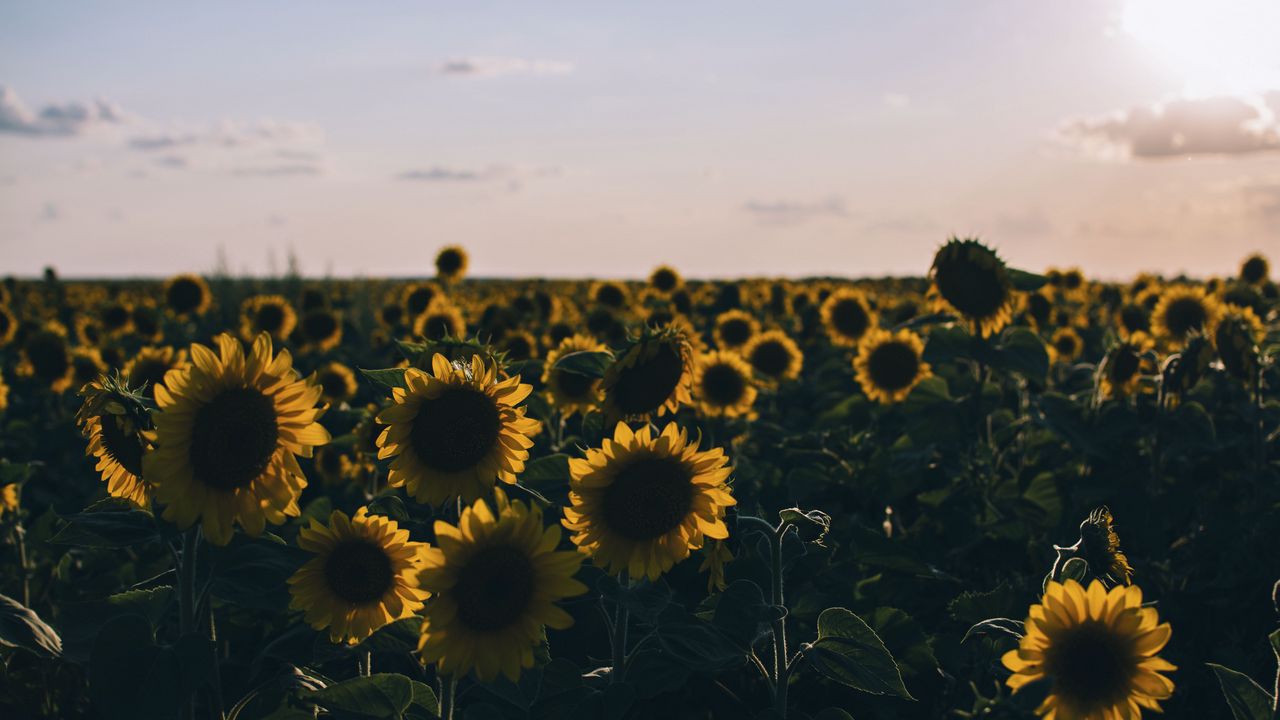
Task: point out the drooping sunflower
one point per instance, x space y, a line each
453 432
847 316
451 263
1236 338
321 329
1065 345
364 575
890 364
1097 649
572 392
148 367
970 280
46 357
665 279
1124 365
186 295
442 319
774 356
652 377
1184 310
641 503
495 579
723 386
337 381
271 314
1099 545
1254 269
228 430
115 422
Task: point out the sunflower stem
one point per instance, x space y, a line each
366 668
186 598
619 638
780 623
448 696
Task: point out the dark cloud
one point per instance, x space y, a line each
1221 125
66 119
787 212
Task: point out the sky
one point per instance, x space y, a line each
573 139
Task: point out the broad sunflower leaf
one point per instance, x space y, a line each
1247 700
1025 281
21 627
585 362
110 523
383 695
1021 351
80 622
905 639
849 651
997 626
387 379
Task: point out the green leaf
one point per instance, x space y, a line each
112 523
549 471
253 572
905 639
697 644
81 622
387 379
1021 351
997 626
1026 281
384 695
131 677
740 610
1247 700
849 651
1042 504
21 627
812 525
425 698
585 362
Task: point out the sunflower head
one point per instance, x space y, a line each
441 320
847 316
271 314
1124 365
145 319
321 329
8 325
652 377
115 317
1184 369
1183 311
572 392
642 501
363 575
890 364
148 367
415 297
1133 317
774 356
1066 345
1236 338
610 294
337 381
1100 547
451 263
723 386
455 431
519 345
735 328
87 365
46 357
1254 270
116 421
665 279
972 281
186 295
1097 649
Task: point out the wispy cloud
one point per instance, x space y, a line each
1223 125
261 148
65 119
788 212
490 66
513 175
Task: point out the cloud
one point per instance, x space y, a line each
786 212
55 120
1222 125
278 170
262 148
482 66
513 175
231 134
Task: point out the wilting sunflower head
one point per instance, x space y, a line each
1124 365
847 316
441 320
451 263
453 432
735 328
665 279
321 329
187 294
1254 270
1236 338
364 575
890 364
640 503
652 377
970 280
572 392
1096 649
229 428
116 422
46 357
337 381
723 385
774 356
271 314
495 579
148 367
1100 547
1066 345
1182 311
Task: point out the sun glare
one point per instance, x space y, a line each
1216 46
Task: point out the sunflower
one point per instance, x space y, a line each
334 464
442 319
641 503
652 377
1099 545
147 369
451 263
1124 365
519 345
9 501
321 329
1184 310
455 431
665 279
1133 317
115 317
494 578
337 381
715 556
271 314
187 295
1065 345
971 280
8 325
115 421
1254 270
610 294
890 364
415 297
847 316
364 575
46 357
228 430
4 394
1236 339
146 321
722 385
1097 649
572 392
774 356
87 365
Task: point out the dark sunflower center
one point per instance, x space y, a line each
648 498
893 365
559 332
1184 315
392 314
771 358
456 430
145 321
1091 665
850 318
233 438
270 317
5 323
437 327
319 325
976 291
184 295
114 317
329 460
735 331
1254 270
449 262
358 571
123 447
610 296
494 588
645 386
333 384
85 368
1039 307
518 348
723 385
1065 344
1134 318
573 386
419 299
47 353
664 280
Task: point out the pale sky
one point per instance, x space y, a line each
590 138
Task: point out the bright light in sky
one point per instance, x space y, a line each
1217 46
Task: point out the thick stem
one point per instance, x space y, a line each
186 598
216 682
619 639
448 696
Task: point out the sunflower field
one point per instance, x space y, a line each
979 493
